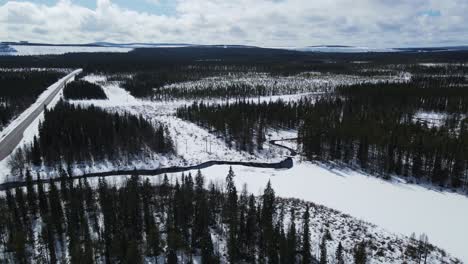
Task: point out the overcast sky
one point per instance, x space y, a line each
272 23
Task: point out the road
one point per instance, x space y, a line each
13 138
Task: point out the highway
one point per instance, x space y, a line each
9 142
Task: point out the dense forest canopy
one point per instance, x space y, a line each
222 83
372 126
138 222
381 127
76 134
83 90
243 124
267 60
20 89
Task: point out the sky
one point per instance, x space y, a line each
266 23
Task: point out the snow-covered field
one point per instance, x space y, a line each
388 246
339 49
394 205
63 70
397 207
23 50
286 85
432 119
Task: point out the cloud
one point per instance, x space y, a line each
379 23
156 2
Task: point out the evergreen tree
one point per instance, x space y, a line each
360 254
306 254
339 259
231 213
323 250
31 193
292 238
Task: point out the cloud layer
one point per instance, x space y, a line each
374 23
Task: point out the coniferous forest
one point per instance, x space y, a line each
243 124
19 89
372 126
139 222
399 114
83 90
76 134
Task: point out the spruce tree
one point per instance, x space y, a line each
306 254
360 254
323 250
31 194
339 259
292 238
231 213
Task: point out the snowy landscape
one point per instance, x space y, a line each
401 217
25 50
233 132
397 208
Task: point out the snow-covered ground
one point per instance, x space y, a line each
306 82
63 70
23 50
339 49
442 64
395 206
432 119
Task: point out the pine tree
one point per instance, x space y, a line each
231 213
268 209
201 220
306 254
323 250
207 249
31 193
292 238
360 254
339 254
43 204
36 152
251 228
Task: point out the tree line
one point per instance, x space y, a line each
75 134
438 94
374 127
169 85
20 89
267 60
243 123
139 222
386 141
83 90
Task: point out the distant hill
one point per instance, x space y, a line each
6 49
18 47
353 49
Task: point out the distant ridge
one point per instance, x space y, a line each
125 45
6 49
354 49
335 48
